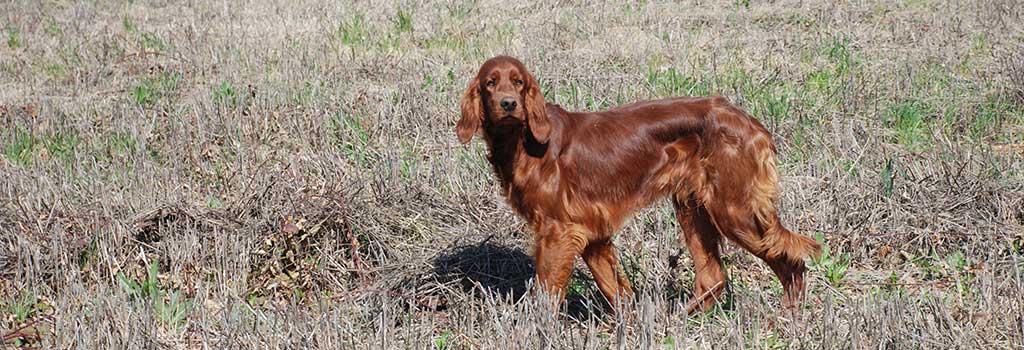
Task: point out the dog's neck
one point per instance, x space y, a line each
503 142
511 146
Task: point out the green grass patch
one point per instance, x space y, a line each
155 88
55 70
740 81
389 41
26 146
504 34
128 25
350 136
987 122
353 31
19 309
409 161
356 32
443 340
20 150
837 49
930 267
580 285
23 306
670 82
798 148
820 81
116 145
152 42
52 27
981 48
65 146
170 306
458 10
773 341
9 67
310 93
833 266
62 145
446 42
403 20
909 120
888 178
224 95
849 166
834 64
771 104
13 38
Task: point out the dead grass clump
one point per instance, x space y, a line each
293 259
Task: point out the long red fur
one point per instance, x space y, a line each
577 176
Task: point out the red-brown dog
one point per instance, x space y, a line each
576 177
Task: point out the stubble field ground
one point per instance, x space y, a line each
252 174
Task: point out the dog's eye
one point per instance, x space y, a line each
491 83
519 82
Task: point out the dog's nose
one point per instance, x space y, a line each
508 104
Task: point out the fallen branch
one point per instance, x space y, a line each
18 333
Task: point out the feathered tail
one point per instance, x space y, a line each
776 241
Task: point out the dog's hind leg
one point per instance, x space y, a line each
743 209
703 241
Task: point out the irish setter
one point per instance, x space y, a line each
575 177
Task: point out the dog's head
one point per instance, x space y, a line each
503 93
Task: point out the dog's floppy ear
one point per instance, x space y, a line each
536 110
472 112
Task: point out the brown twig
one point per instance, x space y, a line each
353 242
690 306
18 333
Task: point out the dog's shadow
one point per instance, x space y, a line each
506 271
495 268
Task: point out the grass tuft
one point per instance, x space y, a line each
833 267
909 121
169 305
154 88
403 20
13 38
353 31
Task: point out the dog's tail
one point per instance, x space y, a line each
776 241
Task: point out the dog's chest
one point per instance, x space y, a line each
535 189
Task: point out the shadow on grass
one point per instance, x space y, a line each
506 271
499 269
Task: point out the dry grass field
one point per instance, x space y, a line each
247 174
